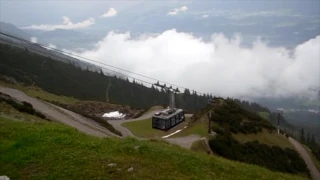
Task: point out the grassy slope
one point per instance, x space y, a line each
39 93
197 127
8 110
144 129
266 138
198 146
264 114
44 150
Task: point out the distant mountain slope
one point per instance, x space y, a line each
67 38
64 78
243 135
13 30
61 33
14 41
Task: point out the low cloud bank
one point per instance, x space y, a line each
177 11
34 40
221 67
67 24
111 12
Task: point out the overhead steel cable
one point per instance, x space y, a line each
114 71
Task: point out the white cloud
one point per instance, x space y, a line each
67 24
205 15
310 28
52 46
242 23
285 24
173 12
176 11
34 40
183 8
241 14
111 12
221 66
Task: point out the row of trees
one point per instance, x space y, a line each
311 142
271 157
66 79
251 106
233 117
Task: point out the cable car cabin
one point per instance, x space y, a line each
167 119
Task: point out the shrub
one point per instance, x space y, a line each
239 120
271 157
25 107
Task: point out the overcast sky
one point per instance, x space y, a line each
231 48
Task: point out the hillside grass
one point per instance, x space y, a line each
8 110
199 127
37 92
265 137
264 115
199 146
45 150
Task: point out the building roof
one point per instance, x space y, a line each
168 113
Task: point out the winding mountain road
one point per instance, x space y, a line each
305 156
59 114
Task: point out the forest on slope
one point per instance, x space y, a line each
69 80
229 118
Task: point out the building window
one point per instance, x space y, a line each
172 121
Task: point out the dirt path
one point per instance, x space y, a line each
64 116
304 154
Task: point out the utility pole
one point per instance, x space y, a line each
107 90
209 121
212 103
279 116
171 93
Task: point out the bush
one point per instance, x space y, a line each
271 157
239 120
25 107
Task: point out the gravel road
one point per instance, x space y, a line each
58 114
305 156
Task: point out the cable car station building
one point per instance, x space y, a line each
164 120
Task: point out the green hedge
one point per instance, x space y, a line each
271 157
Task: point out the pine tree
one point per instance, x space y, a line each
302 139
308 139
313 141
